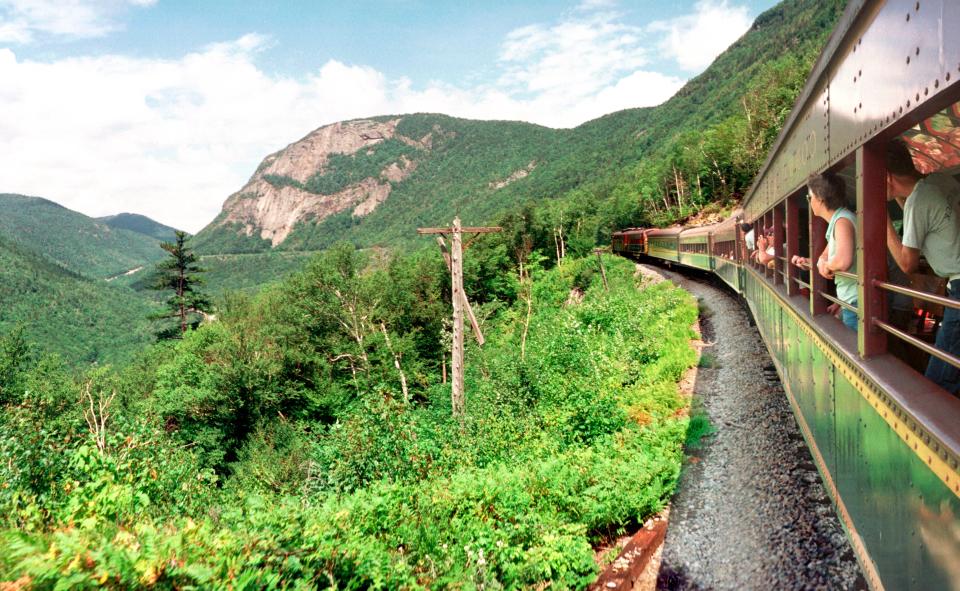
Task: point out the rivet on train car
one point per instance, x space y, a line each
917 51
918 97
908 17
917 6
908 104
947 77
908 60
926 91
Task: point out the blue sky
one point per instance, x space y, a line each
166 107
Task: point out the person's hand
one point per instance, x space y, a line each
762 243
799 261
834 310
825 271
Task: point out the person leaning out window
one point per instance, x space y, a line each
827 196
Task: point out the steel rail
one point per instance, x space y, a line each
920 295
842 304
926 347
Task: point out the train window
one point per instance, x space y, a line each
816 230
923 262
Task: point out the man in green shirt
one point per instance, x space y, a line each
931 226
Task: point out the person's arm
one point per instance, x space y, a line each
908 259
844 236
822 268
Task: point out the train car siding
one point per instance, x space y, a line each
896 507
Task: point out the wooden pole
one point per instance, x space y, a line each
457 397
456 272
603 272
466 302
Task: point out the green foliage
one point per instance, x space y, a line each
141 225
179 273
83 320
330 477
83 246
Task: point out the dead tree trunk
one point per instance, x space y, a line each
396 363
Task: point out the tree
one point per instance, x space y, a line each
178 273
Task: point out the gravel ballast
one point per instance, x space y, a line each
751 511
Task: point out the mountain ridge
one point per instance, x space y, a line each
73 240
140 224
373 180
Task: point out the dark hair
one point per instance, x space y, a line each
899 159
829 188
745 226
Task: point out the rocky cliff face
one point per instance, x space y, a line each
280 194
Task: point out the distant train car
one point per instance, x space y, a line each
694 248
884 437
630 242
664 243
725 251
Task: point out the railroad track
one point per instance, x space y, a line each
751 511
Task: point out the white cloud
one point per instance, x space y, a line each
22 20
695 40
173 138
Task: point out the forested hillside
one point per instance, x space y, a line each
140 224
639 166
83 320
72 240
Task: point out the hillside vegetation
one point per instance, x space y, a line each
278 447
83 320
72 240
140 224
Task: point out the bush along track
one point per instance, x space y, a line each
577 440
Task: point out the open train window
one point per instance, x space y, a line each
815 230
923 263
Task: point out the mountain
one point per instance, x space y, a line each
140 224
374 181
385 175
84 320
71 240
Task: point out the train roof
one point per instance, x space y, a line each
861 88
672 231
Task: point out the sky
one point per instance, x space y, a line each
166 107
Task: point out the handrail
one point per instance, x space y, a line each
846 274
801 282
921 295
842 304
943 355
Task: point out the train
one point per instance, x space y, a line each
885 439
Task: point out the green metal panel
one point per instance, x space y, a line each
821 420
904 514
901 516
700 261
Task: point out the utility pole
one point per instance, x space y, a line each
459 301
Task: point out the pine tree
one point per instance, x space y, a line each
179 273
